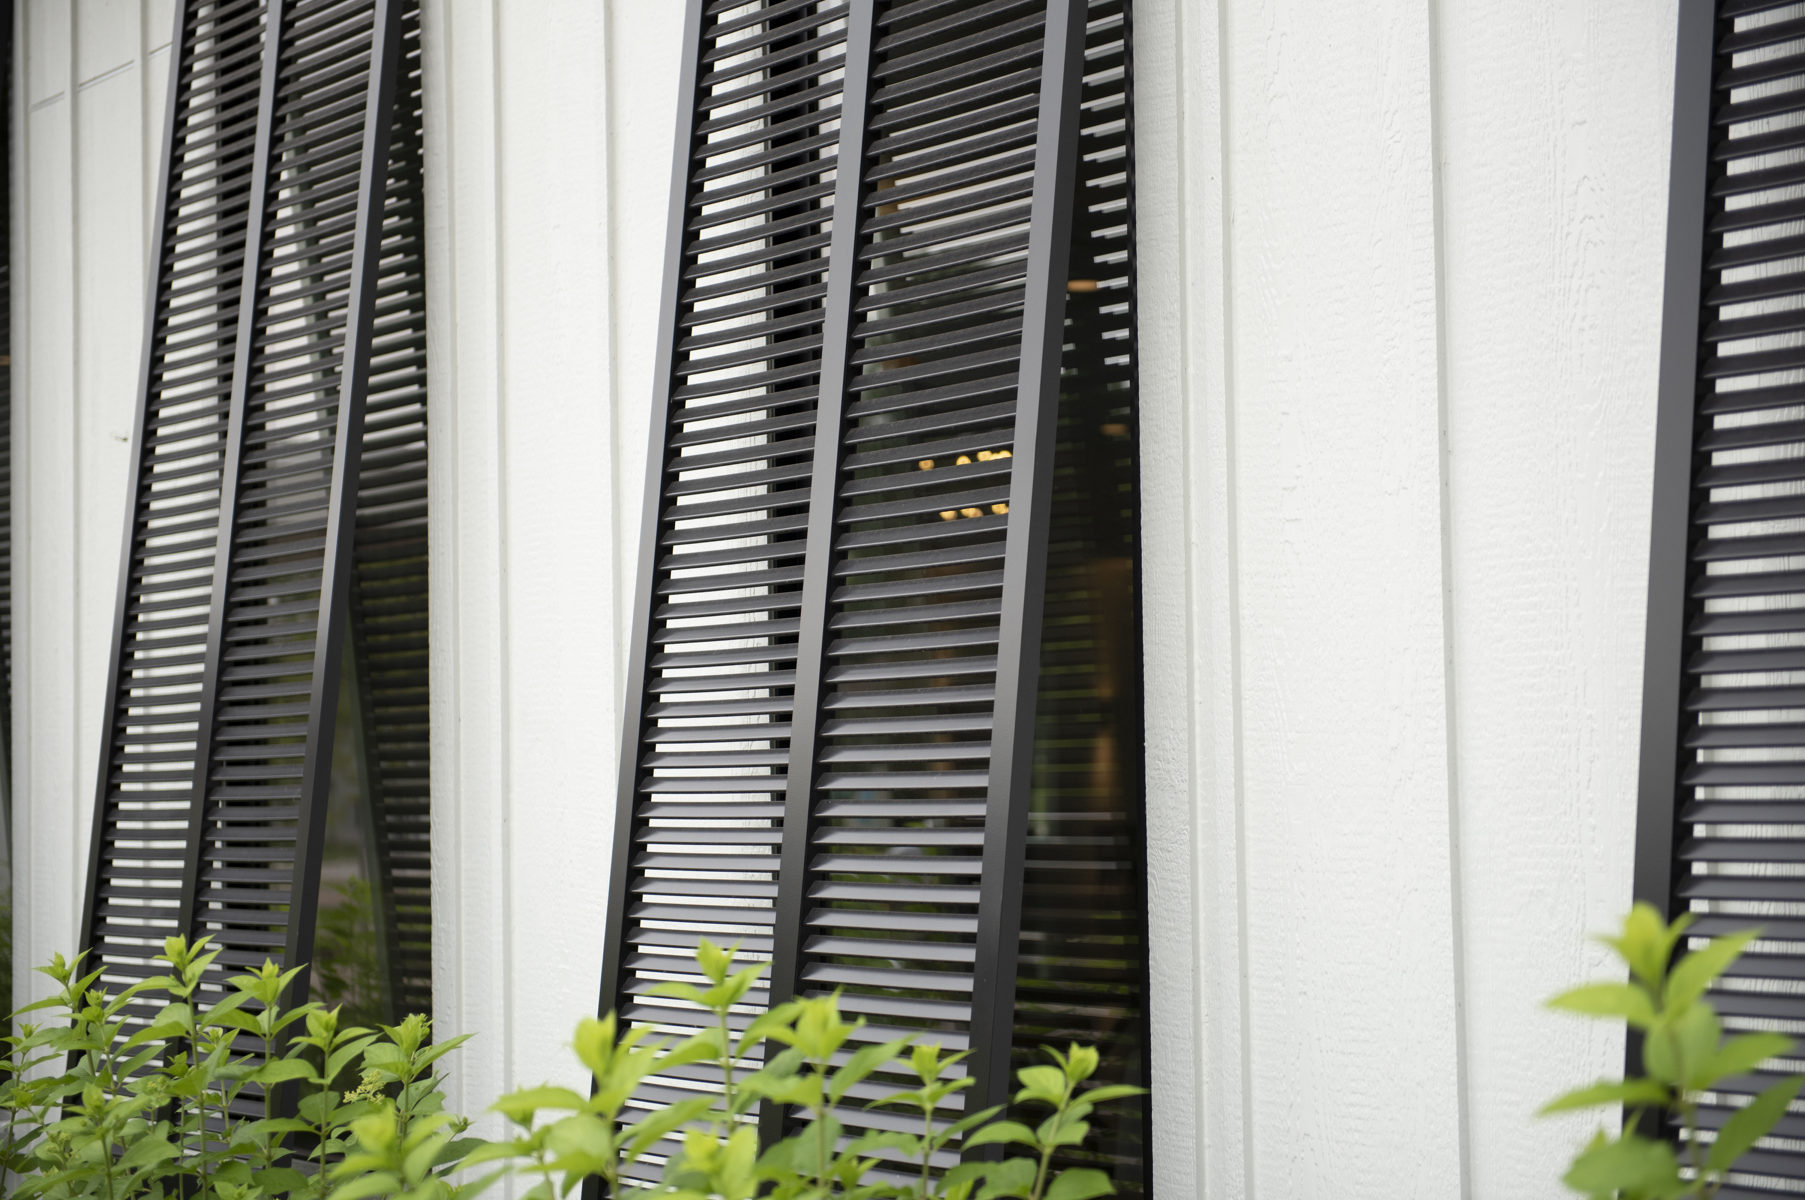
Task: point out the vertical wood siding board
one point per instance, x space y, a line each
341 520
153 289
824 511
1676 420
633 703
1025 558
229 469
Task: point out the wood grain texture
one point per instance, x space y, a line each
1334 397
1193 733
521 132
79 254
1556 124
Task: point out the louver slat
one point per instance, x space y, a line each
904 867
268 513
142 825
1722 789
709 703
833 701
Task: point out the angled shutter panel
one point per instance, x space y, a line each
142 815
264 311
905 870
1082 973
1722 783
708 709
388 596
831 703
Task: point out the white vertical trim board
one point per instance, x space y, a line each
1555 129
1193 736
83 147
529 344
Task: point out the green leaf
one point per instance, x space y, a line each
1608 1091
1113 1091
1696 972
1739 1056
1647 942
1632 1164
1661 1055
1041 1083
643 1134
281 1070
1698 1033
377 1183
521 1105
714 961
1080 1183
1003 1132
677 990
1624 1001
863 1062
346 1053
1749 1124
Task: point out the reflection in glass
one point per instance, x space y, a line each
1083 966
350 942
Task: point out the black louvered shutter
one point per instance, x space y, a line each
830 733
277 486
1722 790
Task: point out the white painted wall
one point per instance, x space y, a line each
1400 274
87 110
1400 270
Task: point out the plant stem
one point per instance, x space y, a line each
1046 1154
727 1084
927 1147
821 1131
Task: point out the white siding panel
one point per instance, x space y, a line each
106 36
1556 120
1197 914
558 530
1334 394
81 214
531 351
47 723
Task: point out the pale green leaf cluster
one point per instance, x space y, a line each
1686 1058
804 1057
162 1091
233 1095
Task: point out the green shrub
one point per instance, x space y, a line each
1685 1055
99 1106
802 1042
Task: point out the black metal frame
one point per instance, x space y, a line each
1672 531
824 511
354 387
633 719
1025 560
1024 568
1671 528
1137 751
231 462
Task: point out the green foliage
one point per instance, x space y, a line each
804 1057
347 964
164 1091
102 1101
1685 1057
